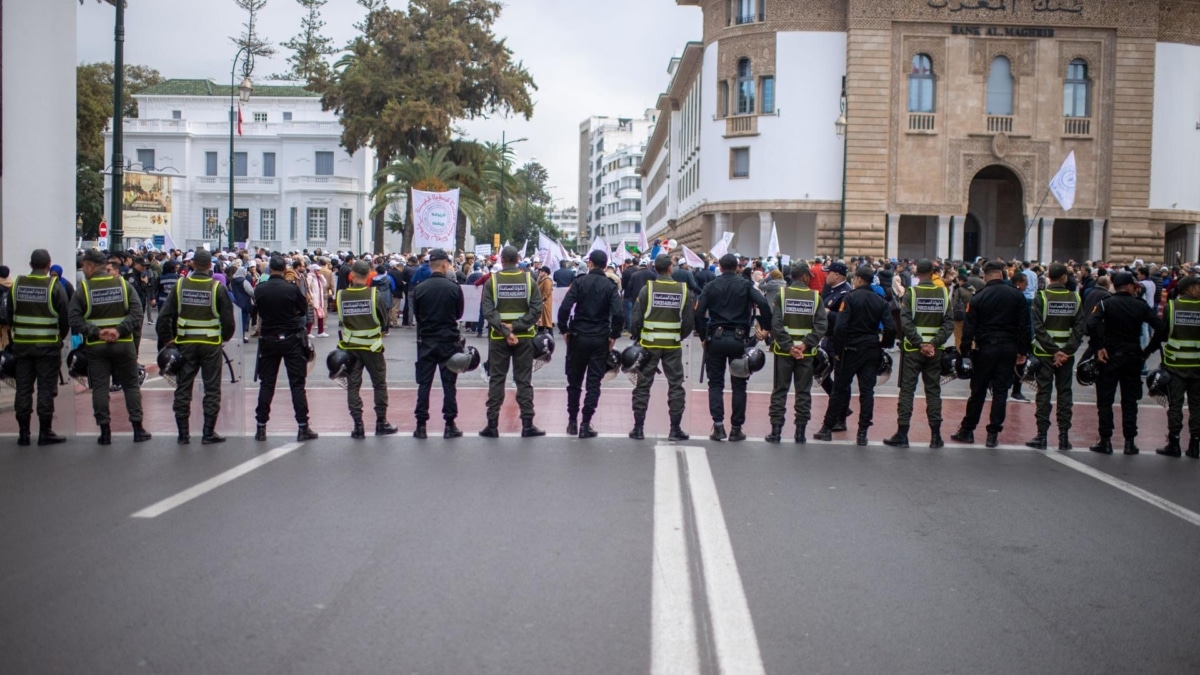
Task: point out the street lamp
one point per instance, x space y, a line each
360 228
840 126
504 170
243 93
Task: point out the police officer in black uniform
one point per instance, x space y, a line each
798 322
1116 327
858 348
727 303
281 311
837 286
38 317
995 336
590 334
511 306
437 304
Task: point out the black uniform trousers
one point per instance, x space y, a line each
992 370
789 371
376 366
431 359
206 361
499 356
114 362
1124 370
586 356
289 350
719 352
863 363
40 364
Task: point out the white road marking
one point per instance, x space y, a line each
155 510
733 628
1148 497
673 644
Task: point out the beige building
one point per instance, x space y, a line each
957 115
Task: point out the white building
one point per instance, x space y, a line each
567 221
610 188
295 187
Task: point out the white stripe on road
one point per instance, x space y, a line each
215 482
673 643
1148 497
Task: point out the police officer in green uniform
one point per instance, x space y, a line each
1181 357
1058 325
39 324
107 313
197 317
798 322
364 322
927 321
663 316
511 306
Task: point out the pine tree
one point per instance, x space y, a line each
255 44
309 48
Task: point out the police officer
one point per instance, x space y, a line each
511 306
995 335
723 318
364 321
437 303
282 308
1058 325
798 322
595 302
1117 330
858 347
836 287
926 322
1181 358
39 324
197 317
663 316
106 313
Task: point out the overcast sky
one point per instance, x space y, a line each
588 57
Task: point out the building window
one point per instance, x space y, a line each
146 159
1077 90
287 117
318 224
210 164
211 220
266 224
1000 87
176 114
745 88
745 11
240 162
269 164
324 163
921 83
767 95
260 117
723 98
294 218
345 216
739 162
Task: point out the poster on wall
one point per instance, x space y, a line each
146 206
435 219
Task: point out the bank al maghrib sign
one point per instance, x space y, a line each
1003 31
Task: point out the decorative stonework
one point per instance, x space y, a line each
759 48
1133 18
781 16
1000 145
1179 21
1090 52
1028 159
1022 54
934 47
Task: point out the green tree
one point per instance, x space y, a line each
250 39
413 73
429 172
309 48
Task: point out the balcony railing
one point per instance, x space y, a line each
999 124
1077 126
741 125
922 122
324 182
744 18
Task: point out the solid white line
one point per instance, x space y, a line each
1148 497
733 628
673 644
215 482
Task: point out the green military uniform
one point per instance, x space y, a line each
1181 357
926 317
198 317
662 316
39 324
797 317
363 318
511 297
1058 325
107 302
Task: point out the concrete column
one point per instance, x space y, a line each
942 249
893 236
1193 242
720 227
958 231
1030 252
765 218
1047 251
1096 243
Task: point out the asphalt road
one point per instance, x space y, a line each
607 556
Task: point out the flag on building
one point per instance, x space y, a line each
239 119
1063 183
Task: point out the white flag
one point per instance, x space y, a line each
773 246
1063 183
643 245
692 259
598 244
435 219
524 248
722 247
168 242
548 251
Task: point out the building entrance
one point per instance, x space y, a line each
997 206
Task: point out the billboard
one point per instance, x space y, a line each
146 205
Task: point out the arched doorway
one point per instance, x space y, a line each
997 203
971 229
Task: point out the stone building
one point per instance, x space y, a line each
957 115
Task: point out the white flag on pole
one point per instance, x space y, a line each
547 251
722 247
168 242
692 259
1063 183
773 246
435 219
598 244
524 248
643 245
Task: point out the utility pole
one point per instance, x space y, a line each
116 228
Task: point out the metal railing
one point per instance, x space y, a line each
999 123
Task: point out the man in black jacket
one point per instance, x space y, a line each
859 352
437 305
281 311
590 333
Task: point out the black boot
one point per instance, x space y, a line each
776 434
305 433
105 435
491 430
140 435
935 436
838 426
530 431
861 439
23 435
1064 440
963 436
637 433
718 432
1172 448
46 435
677 433
900 440
800 437
260 432
418 433
1131 448
586 430
210 435
572 427
451 430
1193 450
1037 442
185 434
992 441
358 432
1102 446
736 435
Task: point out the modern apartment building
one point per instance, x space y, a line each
610 188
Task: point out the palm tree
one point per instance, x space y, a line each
428 171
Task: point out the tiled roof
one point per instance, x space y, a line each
210 88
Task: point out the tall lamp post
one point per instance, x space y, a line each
360 228
503 171
840 125
243 93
